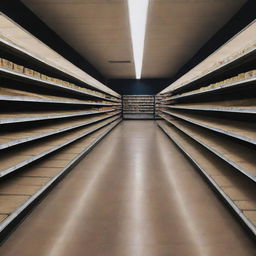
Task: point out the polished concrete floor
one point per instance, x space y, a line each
135 194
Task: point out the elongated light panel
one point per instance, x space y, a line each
138 10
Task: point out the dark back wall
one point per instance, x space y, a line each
140 87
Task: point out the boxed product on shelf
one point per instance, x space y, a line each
55 80
251 73
36 74
6 63
43 77
28 71
105 108
237 78
65 83
18 68
48 78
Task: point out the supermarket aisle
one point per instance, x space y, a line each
135 194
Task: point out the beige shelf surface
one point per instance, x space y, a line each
240 156
15 191
8 139
15 158
239 189
242 130
14 94
245 105
226 54
44 115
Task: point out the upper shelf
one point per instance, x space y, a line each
23 117
13 160
211 89
14 95
237 129
245 106
9 138
237 50
53 101
45 83
15 37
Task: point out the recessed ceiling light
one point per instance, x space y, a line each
138 19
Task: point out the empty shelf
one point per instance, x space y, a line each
235 188
234 106
45 115
240 130
19 191
234 153
14 95
16 158
9 139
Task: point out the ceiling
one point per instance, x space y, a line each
99 31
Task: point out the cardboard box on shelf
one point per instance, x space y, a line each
18 68
28 71
44 77
6 64
36 74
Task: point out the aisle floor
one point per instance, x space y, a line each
135 194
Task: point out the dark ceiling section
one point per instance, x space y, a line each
239 21
18 12
138 87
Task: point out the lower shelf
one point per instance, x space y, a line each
241 130
237 190
236 154
16 158
19 191
138 116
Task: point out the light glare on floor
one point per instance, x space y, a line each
138 19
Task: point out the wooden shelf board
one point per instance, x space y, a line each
240 187
239 156
45 83
16 138
41 175
45 115
228 86
240 130
234 106
12 161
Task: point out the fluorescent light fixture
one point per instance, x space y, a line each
138 18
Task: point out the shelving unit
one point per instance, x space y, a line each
246 106
211 118
237 191
20 191
49 119
158 102
138 107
